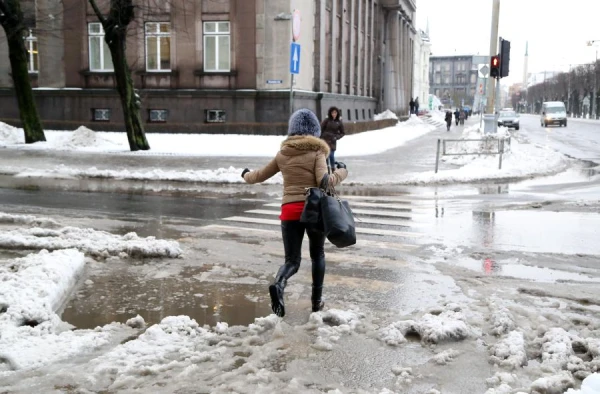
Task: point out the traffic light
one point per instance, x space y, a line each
495 67
504 58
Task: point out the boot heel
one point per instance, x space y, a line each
277 304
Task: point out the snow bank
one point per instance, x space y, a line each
34 287
448 325
590 385
555 384
90 241
509 351
387 114
556 347
10 135
86 140
6 218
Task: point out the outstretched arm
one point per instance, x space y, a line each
263 174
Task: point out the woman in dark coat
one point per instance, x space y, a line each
332 129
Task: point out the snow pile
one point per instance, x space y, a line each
387 114
404 375
331 325
523 160
448 325
437 118
510 351
590 385
31 290
10 135
82 137
221 175
501 319
92 242
555 384
6 218
489 144
33 287
445 357
556 347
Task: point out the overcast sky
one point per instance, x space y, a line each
557 31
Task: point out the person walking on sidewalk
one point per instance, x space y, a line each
456 116
411 104
302 161
461 116
417 106
448 120
332 129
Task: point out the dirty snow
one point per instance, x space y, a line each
554 384
92 242
509 351
501 318
6 218
447 326
590 385
10 135
445 357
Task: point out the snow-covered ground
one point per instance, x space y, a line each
86 140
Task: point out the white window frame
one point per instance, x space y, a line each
101 114
158 34
102 47
217 34
29 40
158 115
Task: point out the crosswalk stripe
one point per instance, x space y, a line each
238 230
383 222
389 206
359 230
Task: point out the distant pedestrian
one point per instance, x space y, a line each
302 161
448 119
457 116
417 106
461 117
412 106
332 129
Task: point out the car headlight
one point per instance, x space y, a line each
516 120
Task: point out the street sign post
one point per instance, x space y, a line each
295 51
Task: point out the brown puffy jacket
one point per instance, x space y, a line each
302 162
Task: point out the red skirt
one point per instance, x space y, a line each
292 211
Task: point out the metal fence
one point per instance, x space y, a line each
442 149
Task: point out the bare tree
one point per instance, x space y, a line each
115 24
13 23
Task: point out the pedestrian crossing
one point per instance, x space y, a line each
383 222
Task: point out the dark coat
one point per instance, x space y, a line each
448 116
332 130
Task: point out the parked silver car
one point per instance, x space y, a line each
509 119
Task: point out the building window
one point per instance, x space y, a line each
356 113
158 115
101 114
217 47
349 115
158 46
438 67
100 58
363 111
438 79
215 116
369 113
473 78
31 43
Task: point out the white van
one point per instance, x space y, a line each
553 112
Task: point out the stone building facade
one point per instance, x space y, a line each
207 61
453 79
421 68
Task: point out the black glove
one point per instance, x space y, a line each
339 164
245 171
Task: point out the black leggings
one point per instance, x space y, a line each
293 234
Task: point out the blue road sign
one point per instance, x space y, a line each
295 58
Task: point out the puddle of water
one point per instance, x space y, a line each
521 271
124 294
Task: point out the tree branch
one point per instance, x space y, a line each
97 11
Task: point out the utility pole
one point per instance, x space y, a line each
493 51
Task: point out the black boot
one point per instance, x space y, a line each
276 292
317 304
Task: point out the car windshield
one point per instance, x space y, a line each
508 114
554 110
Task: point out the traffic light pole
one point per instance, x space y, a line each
493 52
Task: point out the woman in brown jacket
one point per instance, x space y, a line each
332 129
302 161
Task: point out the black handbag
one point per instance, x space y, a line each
327 211
338 219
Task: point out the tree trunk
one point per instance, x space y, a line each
17 53
129 100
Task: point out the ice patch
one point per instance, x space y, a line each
92 242
510 351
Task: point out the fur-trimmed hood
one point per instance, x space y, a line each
300 144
